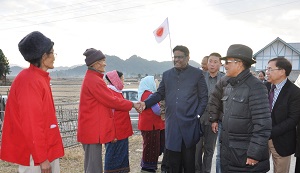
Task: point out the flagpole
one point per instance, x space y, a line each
170 39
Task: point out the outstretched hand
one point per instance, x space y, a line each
139 106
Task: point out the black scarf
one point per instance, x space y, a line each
242 76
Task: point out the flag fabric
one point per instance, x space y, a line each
162 31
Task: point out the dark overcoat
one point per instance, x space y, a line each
185 94
246 122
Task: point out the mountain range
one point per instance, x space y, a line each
131 67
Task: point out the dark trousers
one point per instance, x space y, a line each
205 149
163 148
184 161
297 168
164 167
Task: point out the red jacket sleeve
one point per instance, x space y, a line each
105 96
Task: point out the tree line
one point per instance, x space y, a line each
4 67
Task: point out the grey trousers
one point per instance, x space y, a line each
205 147
93 158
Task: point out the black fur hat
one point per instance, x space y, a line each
34 45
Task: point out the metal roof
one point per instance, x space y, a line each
295 45
290 45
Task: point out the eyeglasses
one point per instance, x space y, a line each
179 57
55 54
229 61
99 61
269 69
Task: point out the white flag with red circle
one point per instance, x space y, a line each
162 31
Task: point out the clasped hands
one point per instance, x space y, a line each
139 106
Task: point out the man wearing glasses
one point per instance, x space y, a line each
185 92
246 122
284 98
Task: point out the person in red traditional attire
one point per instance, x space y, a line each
31 136
95 117
117 152
151 125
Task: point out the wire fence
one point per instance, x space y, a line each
67 116
66 98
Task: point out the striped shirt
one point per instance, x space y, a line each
277 90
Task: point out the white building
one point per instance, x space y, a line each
279 48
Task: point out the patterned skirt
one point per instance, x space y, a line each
151 150
117 157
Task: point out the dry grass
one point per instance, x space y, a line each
72 162
64 91
8 167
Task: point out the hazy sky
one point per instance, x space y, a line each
125 27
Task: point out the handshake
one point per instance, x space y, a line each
139 106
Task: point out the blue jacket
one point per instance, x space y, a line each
185 93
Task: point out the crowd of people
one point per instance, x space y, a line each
249 119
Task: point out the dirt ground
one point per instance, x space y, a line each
72 162
67 91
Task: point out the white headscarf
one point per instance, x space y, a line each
147 83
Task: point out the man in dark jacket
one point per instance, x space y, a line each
206 146
297 153
185 92
285 112
243 99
